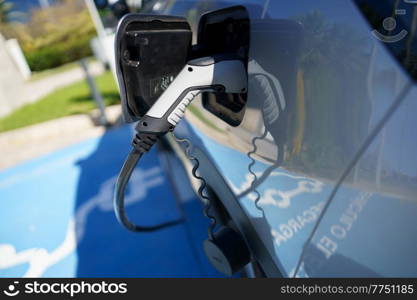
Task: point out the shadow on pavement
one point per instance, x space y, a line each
104 248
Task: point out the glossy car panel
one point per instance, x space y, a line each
369 228
320 85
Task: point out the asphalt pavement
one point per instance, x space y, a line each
57 217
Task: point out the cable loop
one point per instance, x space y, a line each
207 201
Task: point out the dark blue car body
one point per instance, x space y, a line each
337 168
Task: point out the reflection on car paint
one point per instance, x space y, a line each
290 204
338 81
371 224
280 198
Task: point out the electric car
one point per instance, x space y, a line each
315 166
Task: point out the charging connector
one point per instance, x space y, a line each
208 74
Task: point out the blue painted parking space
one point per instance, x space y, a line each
57 217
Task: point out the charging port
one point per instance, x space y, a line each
225 31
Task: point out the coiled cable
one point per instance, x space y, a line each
203 185
250 166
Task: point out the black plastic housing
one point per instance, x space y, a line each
150 51
225 31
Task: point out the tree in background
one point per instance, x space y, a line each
6 27
54 35
4 11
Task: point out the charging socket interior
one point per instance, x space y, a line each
225 31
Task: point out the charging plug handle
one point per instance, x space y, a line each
214 74
219 74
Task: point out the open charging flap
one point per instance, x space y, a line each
150 52
225 31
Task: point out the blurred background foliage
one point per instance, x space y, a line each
52 36
5 8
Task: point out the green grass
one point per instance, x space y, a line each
70 100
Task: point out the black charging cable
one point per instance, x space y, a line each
202 187
141 143
207 74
